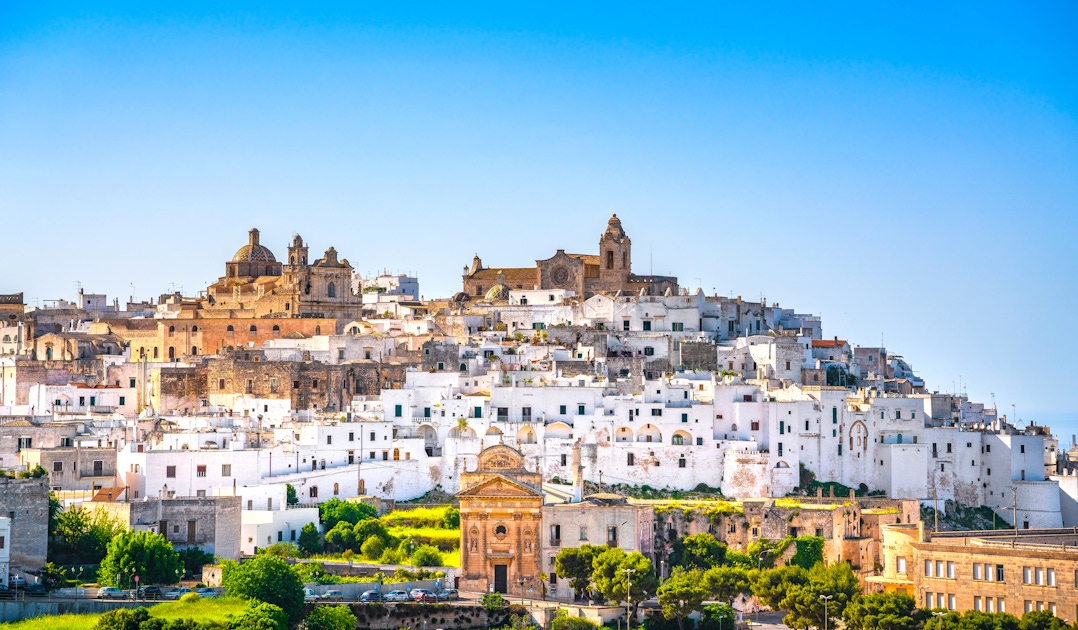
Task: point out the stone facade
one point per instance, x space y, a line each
500 520
610 271
211 523
26 503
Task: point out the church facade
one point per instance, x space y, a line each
609 271
256 285
500 520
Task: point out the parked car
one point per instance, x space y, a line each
309 595
207 591
448 594
371 596
423 595
35 590
396 596
177 593
149 592
332 596
111 592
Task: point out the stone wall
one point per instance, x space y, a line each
26 502
699 355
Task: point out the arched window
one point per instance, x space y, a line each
171 352
336 489
142 353
318 330
154 352
609 259
254 329
276 330
7 338
314 492
194 329
171 330
677 440
194 350
291 260
396 454
463 367
331 290
501 530
230 329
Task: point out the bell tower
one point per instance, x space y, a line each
615 256
297 254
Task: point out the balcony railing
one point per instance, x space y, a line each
555 542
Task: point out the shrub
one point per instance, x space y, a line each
260 617
373 547
451 520
572 623
189 598
123 619
493 601
330 618
427 556
266 579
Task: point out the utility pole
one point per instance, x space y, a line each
628 595
825 598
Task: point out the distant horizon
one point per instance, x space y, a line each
906 173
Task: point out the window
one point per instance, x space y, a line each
625 325
939 568
226 470
398 410
612 536
314 384
561 410
681 462
950 569
755 426
928 568
631 460
314 492
684 417
1051 577
649 351
254 329
677 327
901 568
57 467
122 401
999 572
170 471
647 326
699 441
200 471
329 439
656 412
580 410
583 533
1022 448
977 571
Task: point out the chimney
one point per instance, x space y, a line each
578 474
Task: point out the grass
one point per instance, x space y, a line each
444 539
419 517
206 609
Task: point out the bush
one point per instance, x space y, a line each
123 619
281 550
190 598
572 623
451 520
266 579
145 554
330 618
373 548
260 617
427 556
193 559
308 539
493 601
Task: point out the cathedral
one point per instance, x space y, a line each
609 271
255 284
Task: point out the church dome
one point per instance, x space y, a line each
253 252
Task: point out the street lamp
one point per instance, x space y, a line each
825 598
628 595
520 581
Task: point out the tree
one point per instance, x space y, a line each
802 602
370 527
1041 620
309 542
291 498
615 572
281 550
575 565
330 618
193 559
260 617
55 507
493 601
145 554
82 536
882 611
717 617
770 586
699 551
372 548
726 583
266 579
451 519
682 594
123 619
427 556
335 510
52 576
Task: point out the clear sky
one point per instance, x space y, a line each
907 171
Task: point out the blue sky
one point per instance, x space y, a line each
909 171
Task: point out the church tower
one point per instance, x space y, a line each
297 254
615 256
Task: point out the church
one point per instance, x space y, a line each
256 285
609 271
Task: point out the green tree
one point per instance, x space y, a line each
341 537
260 616
82 536
977 620
52 576
682 594
575 564
699 551
427 556
945 621
55 507
451 519
770 586
335 510
726 583
372 548
882 611
281 550
330 618
193 559
145 554
370 527
493 601
309 542
717 617
1041 620
803 603
615 572
266 579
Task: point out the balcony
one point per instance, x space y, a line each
555 542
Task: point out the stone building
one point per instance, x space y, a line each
609 271
998 571
500 517
26 503
73 468
213 524
16 329
256 285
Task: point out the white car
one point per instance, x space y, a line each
397 596
177 593
309 595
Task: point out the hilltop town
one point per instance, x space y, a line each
565 402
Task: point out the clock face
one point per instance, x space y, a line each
560 276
